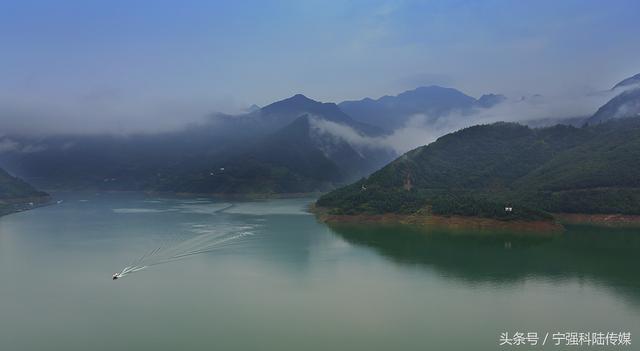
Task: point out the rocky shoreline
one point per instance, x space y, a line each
479 223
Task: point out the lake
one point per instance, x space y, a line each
293 283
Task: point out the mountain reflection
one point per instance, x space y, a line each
604 256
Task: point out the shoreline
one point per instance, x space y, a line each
15 205
479 223
606 220
449 222
238 196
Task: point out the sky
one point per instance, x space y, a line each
121 65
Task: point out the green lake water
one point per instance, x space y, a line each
296 284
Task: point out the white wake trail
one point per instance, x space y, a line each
174 250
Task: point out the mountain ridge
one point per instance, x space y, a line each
478 170
168 161
392 112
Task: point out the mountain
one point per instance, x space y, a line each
625 104
628 82
16 194
281 113
15 188
253 108
490 100
477 170
256 150
552 121
301 157
392 112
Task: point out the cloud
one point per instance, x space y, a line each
422 129
527 110
28 149
344 132
9 145
95 116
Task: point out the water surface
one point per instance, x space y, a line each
297 284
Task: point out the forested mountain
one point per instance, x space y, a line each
281 113
297 158
478 170
14 188
290 146
277 148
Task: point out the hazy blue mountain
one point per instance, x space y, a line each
625 104
628 82
253 108
244 143
281 113
490 100
392 112
297 158
284 162
304 134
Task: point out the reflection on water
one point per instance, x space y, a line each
608 256
295 285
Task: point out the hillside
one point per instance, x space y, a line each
275 149
478 170
297 158
625 104
15 194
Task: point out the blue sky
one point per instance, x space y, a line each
102 62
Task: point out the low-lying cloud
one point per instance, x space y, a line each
10 145
86 116
423 129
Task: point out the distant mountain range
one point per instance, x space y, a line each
300 157
279 148
480 170
294 145
392 112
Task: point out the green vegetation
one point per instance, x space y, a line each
477 171
277 149
16 194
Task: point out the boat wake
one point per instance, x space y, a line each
178 249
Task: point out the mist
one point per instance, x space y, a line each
423 129
91 117
109 67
